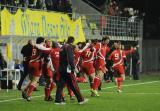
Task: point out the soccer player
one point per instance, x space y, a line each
35 66
48 70
88 56
100 65
117 57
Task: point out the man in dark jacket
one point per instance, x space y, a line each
26 52
135 64
3 63
66 69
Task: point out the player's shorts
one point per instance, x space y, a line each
119 69
88 68
57 74
35 68
48 73
100 64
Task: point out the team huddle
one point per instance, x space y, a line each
60 63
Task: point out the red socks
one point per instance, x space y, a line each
52 86
96 83
47 92
119 82
30 90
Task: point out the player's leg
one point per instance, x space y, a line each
50 84
70 92
120 77
59 91
36 71
71 81
23 76
31 87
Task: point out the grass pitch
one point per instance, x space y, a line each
141 95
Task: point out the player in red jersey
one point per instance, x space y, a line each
117 57
80 47
100 65
35 67
88 56
48 70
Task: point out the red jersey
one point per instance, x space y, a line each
35 65
36 54
76 57
88 56
87 61
37 51
117 56
102 50
55 57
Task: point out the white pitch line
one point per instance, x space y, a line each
136 84
86 90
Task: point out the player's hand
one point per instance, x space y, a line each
76 71
111 69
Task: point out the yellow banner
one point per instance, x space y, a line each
38 23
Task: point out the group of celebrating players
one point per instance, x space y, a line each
89 59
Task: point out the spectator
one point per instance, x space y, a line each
135 64
40 4
32 3
55 4
3 63
110 10
68 8
49 4
24 3
61 6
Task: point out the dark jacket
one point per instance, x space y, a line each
66 58
135 57
3 63
27 51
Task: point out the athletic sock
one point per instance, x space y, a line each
30 90
52 86
119 82
47 92
96 83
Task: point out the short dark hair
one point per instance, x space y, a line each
39 40
105 38
54 44
79 43
70 39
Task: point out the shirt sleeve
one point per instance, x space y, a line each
124 55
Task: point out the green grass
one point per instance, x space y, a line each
137 97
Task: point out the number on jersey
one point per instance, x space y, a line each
88 53
116 56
